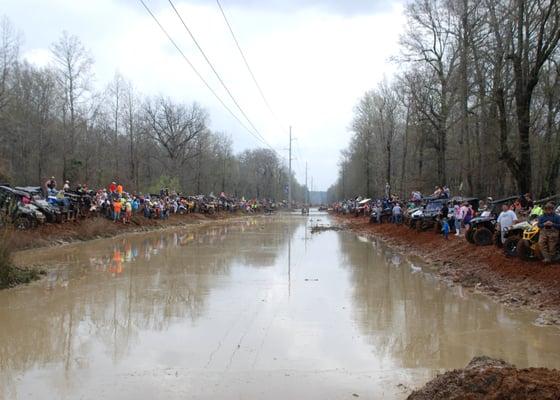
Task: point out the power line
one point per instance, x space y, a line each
217 74
198 73
248 67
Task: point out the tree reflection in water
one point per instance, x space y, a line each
111 290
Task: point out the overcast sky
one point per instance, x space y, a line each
313 59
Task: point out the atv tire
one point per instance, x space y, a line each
510 246
482 236
469 235
419 226
524 250
23 223
498 239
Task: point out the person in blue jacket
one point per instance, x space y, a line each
549 223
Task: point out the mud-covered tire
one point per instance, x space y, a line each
482 236
510 246
524 250
418 226
23 223
469 235
498 239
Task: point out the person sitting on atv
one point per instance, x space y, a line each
536 212
549 223
50 186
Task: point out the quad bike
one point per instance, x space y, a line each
528 248
512 237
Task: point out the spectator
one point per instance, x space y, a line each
50 186
506 220
548 237
445 228
397 213
458 216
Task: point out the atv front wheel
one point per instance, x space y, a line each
510 246
482 236
524 250
22 223
418 226
469 235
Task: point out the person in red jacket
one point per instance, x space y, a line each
112 187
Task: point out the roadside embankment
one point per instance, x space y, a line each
511 281
99 227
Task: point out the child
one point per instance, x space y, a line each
445 228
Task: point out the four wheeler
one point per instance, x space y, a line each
14 211
426 217
512 237
528 247
51 212
483 228
385 215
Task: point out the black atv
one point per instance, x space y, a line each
384 215
51 212
482 229
14 211
426 217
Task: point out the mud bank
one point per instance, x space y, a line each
531 285
50 235
487 378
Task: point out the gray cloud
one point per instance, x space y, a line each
342 7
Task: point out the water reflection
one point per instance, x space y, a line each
414 320
253 309
110 291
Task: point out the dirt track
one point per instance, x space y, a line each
532 285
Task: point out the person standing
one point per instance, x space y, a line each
549 223
458 217
397 214
506 220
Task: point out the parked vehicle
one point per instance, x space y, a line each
528 246
426 217
14 211
52 213
512 237
482 229
385 215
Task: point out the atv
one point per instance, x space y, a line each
13 211
426 217
482 229
512 237
51 212
384 215
528 248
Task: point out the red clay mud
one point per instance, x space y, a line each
489 379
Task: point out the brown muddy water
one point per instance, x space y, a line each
252 309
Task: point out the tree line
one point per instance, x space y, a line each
54 122
475 104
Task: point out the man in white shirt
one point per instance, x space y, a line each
506 219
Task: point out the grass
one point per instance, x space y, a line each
11 275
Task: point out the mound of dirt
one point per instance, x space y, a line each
487 378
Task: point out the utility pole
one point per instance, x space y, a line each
311 183
290 172
306 188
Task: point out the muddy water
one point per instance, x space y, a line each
256 309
